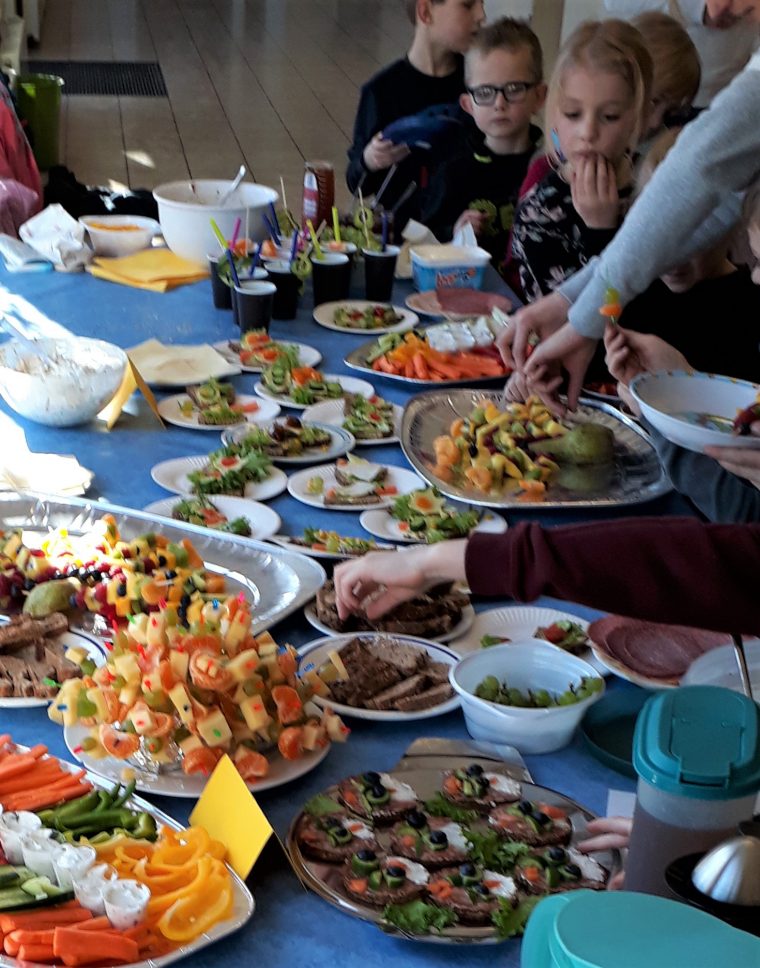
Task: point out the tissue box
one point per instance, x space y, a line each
448 267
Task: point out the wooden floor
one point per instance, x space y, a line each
267 83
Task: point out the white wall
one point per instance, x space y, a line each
576 11
508 8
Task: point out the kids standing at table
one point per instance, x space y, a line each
432 73
505 89
597 109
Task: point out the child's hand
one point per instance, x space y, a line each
381 153
478 221
743 462
593 184
629 354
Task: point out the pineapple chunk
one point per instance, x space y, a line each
195 611
97 698
126 666
180 698
336 728
179 662
275 675
63 709
214 729
244 664
138 628
76 654
255 713
336 660
314 735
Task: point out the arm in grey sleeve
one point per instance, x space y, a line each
722 497
690 194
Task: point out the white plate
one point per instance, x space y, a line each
341 442
350 384
264 521
285 541
519 623
316 652
324 316
331 412
403 480
177 784
307 355
169 408
172 475
95 649
460 629
380 523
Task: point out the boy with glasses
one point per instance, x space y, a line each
479 186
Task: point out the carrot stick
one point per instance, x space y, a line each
95 924
67 913
36 952
42 936
82 948
11 945
37 776
46 796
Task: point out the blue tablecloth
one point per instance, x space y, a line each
290 926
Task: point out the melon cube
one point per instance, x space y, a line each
126 666
179 696
179 662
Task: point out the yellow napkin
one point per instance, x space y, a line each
154 269
162 364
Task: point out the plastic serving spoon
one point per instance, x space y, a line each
233 187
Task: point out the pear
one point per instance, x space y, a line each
49 597
585 479
588 443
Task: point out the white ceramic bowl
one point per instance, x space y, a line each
532 664
117 235
185 209
80 379
718 667
669 399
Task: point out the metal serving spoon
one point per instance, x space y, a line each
233 186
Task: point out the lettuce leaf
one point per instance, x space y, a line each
321 806
417 917
494 852
439 806
510 921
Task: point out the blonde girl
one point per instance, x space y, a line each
597 109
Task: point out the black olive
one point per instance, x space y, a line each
29 584
573 870
526 807
371 779
556 853
331 823
292 422
472 450
541 819
474 769
378 792
170 574
416 819
467 870
366 855
395 871
121 590
439 837
185 600
480 889
161 561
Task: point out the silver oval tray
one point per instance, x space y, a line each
357 360
243 904
636 474
326 881
276 581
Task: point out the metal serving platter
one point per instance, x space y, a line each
636 474
243 904
357 360
277 582
326 879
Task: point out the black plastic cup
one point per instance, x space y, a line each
221 293
331 277
285 304
379 268
252 304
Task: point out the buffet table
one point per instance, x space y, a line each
290 926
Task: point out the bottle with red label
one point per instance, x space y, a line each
318 192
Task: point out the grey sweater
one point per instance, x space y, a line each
693 199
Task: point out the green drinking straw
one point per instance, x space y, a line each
336 224
218 233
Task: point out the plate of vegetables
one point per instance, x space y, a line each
320 543
425 517
290 440
232 470
351 483
255 350
410 358
301 386
520 623
370 421
231 515
359 316
214 405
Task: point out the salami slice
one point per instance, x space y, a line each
471 302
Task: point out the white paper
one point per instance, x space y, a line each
57 237
415 233
159 363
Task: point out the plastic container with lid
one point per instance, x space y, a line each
602 929
448 267
696 751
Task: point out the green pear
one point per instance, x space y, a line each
49 597
587 443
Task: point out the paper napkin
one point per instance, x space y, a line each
156 269
50 473
175 365
415 233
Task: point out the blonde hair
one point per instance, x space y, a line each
612 46
654 157
506 34
677 70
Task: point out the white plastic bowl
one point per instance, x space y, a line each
532 664
718 667
666 397
83 377
118 235
185 209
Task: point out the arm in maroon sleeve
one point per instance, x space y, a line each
674 570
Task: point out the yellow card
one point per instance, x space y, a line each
132 381
230 814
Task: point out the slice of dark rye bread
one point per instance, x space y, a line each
314 841
23 629
468 908
380 815
344 476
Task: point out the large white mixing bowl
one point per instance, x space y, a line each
185 210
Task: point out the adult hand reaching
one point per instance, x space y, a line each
629 354
740 460
543 317
608 833
378 582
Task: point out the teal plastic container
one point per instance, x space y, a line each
618 929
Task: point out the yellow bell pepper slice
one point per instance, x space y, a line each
194 914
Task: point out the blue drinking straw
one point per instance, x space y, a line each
293 247
233 268
255 261
275 223
384 219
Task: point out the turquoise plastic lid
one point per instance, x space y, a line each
699 741
602 929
